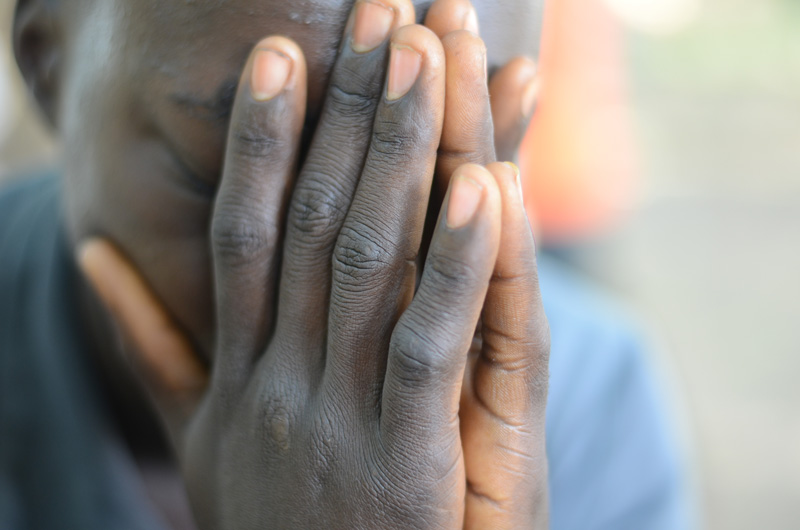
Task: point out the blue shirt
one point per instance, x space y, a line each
613 456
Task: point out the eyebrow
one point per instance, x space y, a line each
217 108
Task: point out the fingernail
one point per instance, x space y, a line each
271 70
529 96
517 178
465 197
470 22
372 24
404 67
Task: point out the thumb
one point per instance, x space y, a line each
161 353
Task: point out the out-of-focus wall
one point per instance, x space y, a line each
24 140
712 255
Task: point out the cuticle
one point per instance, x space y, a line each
476 183
406 47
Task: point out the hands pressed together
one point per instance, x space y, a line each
347 390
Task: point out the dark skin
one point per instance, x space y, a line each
337 394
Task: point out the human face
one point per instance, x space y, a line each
143 111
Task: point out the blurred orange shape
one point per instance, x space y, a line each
578 158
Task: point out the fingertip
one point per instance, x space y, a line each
514 76
509 181
470 21
524 65
466 194
446 16
87 251
530 96
417 56
406 13
466 48
476 172
422 40
515 223
462 37
517 81
94 256
106 273
514 91
371 22
277 65
504 172
404 10
283 45
467 72
473 190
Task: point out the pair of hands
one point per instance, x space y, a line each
342 393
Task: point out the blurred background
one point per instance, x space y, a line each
676 184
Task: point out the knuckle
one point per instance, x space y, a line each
354 93
241 238
451 273
458 155
251 140
416 358
314 213
348 102
404 137
393 143
482 154
278 408
277 422
358 255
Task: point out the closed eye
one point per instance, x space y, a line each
215 109
191 180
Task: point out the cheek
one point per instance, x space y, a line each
121 184
164 228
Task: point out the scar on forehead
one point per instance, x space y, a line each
216 108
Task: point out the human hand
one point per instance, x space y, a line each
502 413
247 384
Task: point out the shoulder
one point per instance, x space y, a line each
20 192
23 193
30 226
598 348
614 453
594 337
29 206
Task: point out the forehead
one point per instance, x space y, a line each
193 44
176 33
200 46
516 19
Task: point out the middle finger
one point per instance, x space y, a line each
374 266
329 178
468 132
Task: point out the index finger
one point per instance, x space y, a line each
260 162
